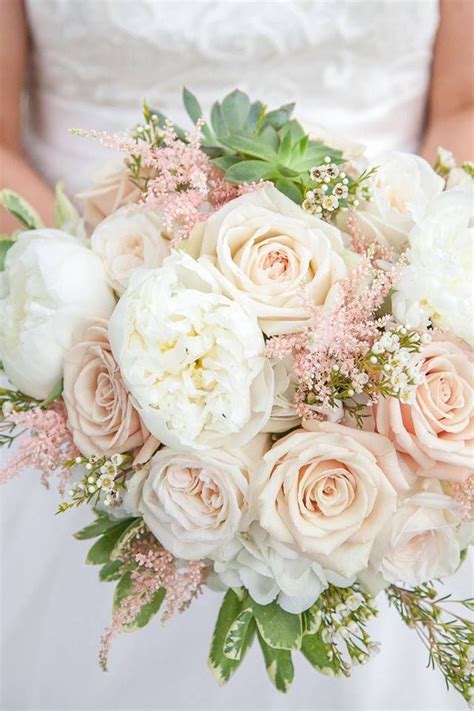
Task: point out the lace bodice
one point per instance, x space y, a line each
359 67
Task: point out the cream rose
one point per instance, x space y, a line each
284 416
191 357
327 493
126 241
269 570
195 503
437 430
101 416
403 186
421 541
112 190
267 247
51 284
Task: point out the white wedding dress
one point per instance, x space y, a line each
359 67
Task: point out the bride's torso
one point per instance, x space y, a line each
358 67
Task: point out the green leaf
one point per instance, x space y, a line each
147 611
270 137
256 113
279 665
311 620
111 571
55 393
237 634
279 117
123 540
5 244
66 217
122 589
21 209
250 171
250 147
217 121
287 172
288 188
284 150
279 629
192 106
235 109
103 547
316 652
101 525
224 162
221 666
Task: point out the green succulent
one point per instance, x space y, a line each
249 143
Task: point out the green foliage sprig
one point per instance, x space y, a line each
447 635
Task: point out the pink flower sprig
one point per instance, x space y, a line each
152 568
332 358
45 443
463 493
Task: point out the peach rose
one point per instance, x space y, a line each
101 416
112 189
326 491
437 430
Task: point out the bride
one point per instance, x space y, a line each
366 68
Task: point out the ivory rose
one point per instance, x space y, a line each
266 247
403 186
437 429
126 241
196 502
112 189
191 357
101 416
327 492
51 283
284 416
420 542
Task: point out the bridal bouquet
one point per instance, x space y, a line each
251 356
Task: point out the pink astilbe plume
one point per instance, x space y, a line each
336 338
153 568
463 493
45 443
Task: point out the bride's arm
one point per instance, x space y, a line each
15 171
451 105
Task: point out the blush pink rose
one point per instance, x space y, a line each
101 416
327 493
437 429
112 189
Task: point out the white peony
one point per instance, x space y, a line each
270 570
268 248
192 357
51 284
437 283
403 185
195 503
420 542
128 240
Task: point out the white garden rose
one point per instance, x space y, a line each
267 248
270 570
284 415
328 493
196 502
191 357
403 186
128 240
421 541
437 283
51 284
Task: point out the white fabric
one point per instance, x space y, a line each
360 67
